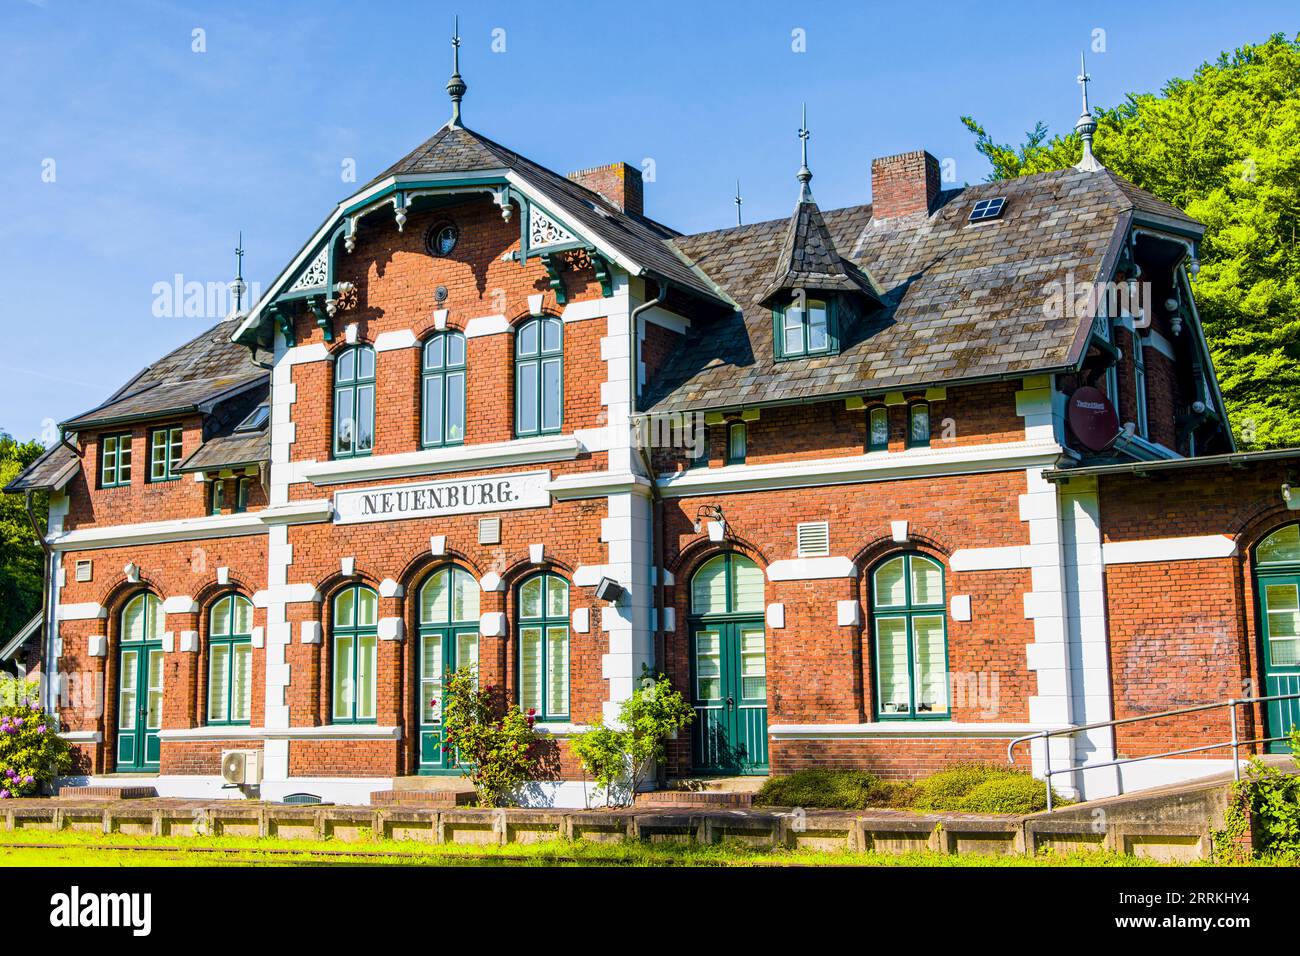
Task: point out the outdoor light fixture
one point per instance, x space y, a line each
609 590
711 516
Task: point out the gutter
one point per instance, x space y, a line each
1141 469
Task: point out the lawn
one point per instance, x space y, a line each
44 848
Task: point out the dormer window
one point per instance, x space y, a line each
806 327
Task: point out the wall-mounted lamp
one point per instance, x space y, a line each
609 590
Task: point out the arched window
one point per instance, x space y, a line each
140 683
728 666
443 389
918 425
911 638
878 428
544 646
449 616
1277 579
230 660
539 376
355 635
354 402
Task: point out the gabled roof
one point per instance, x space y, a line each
24 634
809 260
963 302
51 471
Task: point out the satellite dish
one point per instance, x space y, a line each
1092 418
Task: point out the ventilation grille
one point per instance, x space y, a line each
489 531
814 539
85 569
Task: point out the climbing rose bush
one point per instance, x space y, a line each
497 749
31 753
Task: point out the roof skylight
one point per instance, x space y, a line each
987 209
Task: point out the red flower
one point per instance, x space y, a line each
532 711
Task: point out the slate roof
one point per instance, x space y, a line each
51 470
204 370
808 259
962 302
230 451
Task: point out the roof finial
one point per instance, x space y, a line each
237 287
456 87
805 174
1086 125
738 201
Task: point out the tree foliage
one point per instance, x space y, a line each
20 553
1224 146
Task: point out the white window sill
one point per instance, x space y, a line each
434 461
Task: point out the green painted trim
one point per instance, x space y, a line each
426 374
544 622
732 427
872 445
117 481
317 305
355 633
604 274
913 442
537 359
354 387
907 612
170 463
554 265
832 331
230 641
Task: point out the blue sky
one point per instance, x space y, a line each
162 154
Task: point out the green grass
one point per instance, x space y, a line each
19 848
968 788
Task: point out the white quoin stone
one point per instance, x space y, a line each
350 333
438 545
961 607
311 632
492 624
391 629
537 553
439 319
189 641
581 620
670 619
535 304
389 588
846 612
223 575
347 567
492 582
97 646
259 637
180 604
132 573
776 615
168 641
899 531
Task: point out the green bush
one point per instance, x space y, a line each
31 753
823 789
980 788
498 750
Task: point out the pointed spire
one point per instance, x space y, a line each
1086 125
456 86
738 201
805 174
238 287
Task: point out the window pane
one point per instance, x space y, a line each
530 668
124 459
708 666
709 588
455 350
433 410
434 352
431 679
366 683
551 335
1283 611
1284 653
890 588
343 678
127 683
218 496
153 710
467 651
880 427
365 364
557 666
158 456
920 418
345 608
753 665
1281 545
344 420
367 607
530 598
927 582
818 330
736 443
794 343
465 597
346 369
365 418
891 663
557 597
526 398
174 457
242 696
133 619
221 618
746 585
435 599
455 406
528 336
931 665
552 397
218 681
243 616
154 616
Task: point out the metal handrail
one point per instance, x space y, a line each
1234 741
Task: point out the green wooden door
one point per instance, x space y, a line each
442 652
139 706
1279 601
729 693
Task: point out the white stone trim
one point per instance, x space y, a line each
86 611
597 484
904 728
492 624
82 736
396 339
180 604
854 469
775 616
960 607
391 629
486 325
589 575
310 632
97 646
189 529
325 732
491 582
189 642
581 620
391 589
848 613
811 569
1196 547
436 461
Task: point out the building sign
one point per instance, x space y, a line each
437 499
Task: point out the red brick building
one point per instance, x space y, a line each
885 486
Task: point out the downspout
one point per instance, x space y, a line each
656 514
46 694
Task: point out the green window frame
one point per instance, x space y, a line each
230 661
1140 386
216 496
539 376
807 326
442 390
918 425
910 638
243 487
543 643
727 584
115 460
165 446
354 402
354 642
878 428
737 443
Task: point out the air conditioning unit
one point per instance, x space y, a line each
241 768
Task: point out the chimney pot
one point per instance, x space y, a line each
904 184
618 183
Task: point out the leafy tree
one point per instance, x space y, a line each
1224 146
20 553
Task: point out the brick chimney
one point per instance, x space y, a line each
903 184
619 183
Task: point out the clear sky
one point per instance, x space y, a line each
128 157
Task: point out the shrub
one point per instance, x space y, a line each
981 788
653 714
498 750
31 752
1266 800
823 789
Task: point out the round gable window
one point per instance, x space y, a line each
441 238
